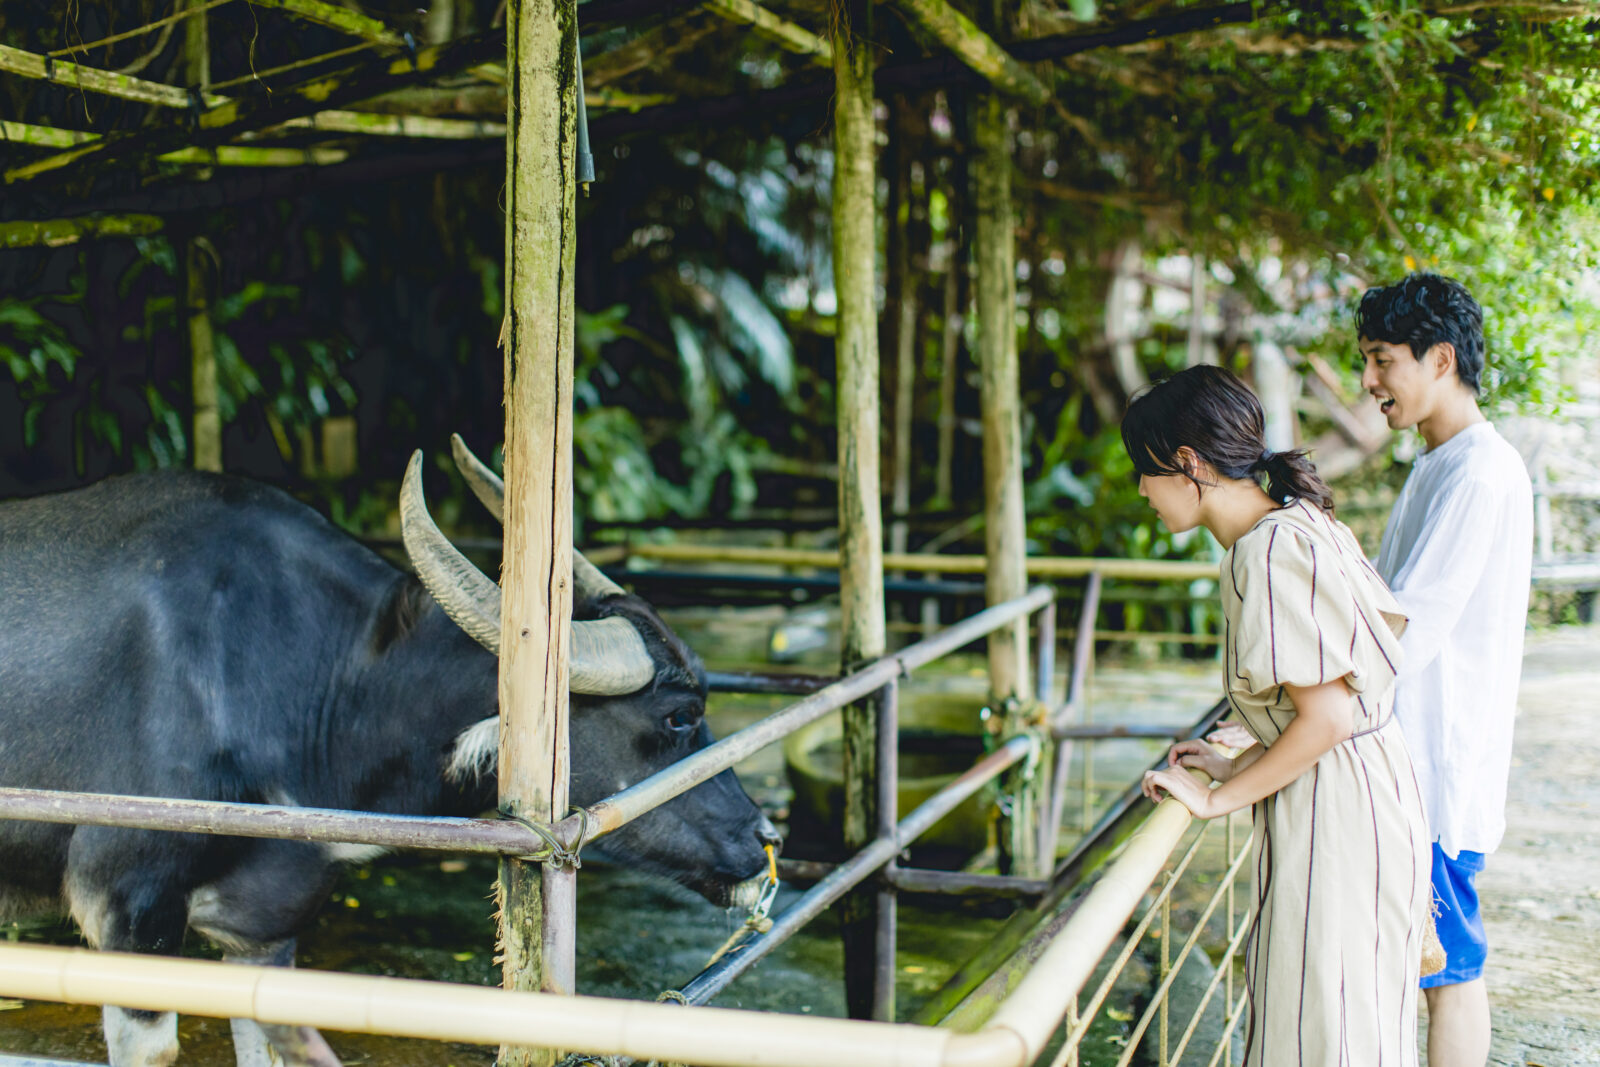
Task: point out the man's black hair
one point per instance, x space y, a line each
1423 310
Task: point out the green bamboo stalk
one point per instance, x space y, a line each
221 156
53 233
372 123
338 18
786 34
93 79
975 48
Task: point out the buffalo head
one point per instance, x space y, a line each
638 705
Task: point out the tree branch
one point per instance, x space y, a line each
789 36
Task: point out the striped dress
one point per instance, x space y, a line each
1342 854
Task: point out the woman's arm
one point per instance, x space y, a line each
1323 718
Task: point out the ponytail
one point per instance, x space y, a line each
1291 474
1209 410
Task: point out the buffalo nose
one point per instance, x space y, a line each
768 834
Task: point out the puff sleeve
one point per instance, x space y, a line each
1299 619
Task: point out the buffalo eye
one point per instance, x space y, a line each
684 718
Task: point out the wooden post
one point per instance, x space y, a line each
903 290
207 430
1005 535
536 902
1005 541
860 514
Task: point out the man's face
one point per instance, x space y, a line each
1405 387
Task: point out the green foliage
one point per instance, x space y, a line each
37 351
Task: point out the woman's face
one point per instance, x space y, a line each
1175 498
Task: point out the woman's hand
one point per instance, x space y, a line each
1202 757
1182 787
1232 735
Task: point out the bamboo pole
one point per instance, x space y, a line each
903 294
221 156
207 433
863 635
226 118
53 233
537 919
785 34
338 18
1005 536
1153 570
975 48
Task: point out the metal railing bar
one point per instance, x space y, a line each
428 833
1109 732
1229 1026
928 880
1176 963
1226 961
622 808
981 972
763 682
493 836
845 876
1129 800
1086 1016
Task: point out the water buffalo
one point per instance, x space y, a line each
180 634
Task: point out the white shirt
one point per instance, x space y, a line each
1458 551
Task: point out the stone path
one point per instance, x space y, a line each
1541 890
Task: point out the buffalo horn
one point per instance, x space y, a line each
484 483
608 657
588 581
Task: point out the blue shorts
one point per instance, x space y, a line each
1459 923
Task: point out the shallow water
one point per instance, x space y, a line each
419 916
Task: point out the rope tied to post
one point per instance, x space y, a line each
554 852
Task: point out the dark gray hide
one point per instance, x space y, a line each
189 635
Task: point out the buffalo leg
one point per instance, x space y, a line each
268 1044
140 1038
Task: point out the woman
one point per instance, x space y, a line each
1311 650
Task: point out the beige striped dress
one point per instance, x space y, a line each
1342 856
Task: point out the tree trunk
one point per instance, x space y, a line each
536 902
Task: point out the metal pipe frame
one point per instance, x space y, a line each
847 875
714 1037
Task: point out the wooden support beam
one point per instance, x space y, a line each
230 118
995 268
53 233
77 76
338 18
220 156
378 125
537 919
785 34
975 48
863 635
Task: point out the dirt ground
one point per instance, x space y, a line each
1541 890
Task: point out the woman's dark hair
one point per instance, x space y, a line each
1215 414
1422 310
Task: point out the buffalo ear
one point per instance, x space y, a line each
402 610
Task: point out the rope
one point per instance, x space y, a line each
257 75
554 853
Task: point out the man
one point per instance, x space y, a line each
1457 552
